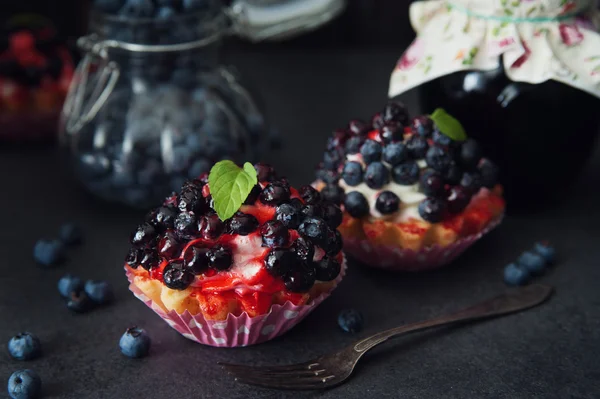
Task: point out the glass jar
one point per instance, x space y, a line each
540 135
151 107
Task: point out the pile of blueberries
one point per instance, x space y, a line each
142 147
455 170
49 253
529 264
189 215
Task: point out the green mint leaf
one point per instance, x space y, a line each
229 186
448 125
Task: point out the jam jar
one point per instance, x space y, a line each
534 111
151 107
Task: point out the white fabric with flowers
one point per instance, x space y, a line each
538 39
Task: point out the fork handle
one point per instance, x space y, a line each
513 301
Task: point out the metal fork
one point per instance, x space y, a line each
333 369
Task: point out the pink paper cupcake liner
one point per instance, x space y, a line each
241 330
407 260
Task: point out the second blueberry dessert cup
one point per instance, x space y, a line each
243 279
416 193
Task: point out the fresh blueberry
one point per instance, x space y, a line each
108 6
489 173
243 223
431 183
211 227
186 225
220 257
195 5
354 144
333 193
24 346
332 214
304 249
195 260
69 283
79 302
300 278
176 276
417 146
163 218
70 234
274 234
471 181
377 175
470 154
352 173
406 174
144 234
137 9
423 126
458 199
432 209
453 174
441 139
438 158
391 132
279 261
395 153
327 269
356 204
395 111
288 215
48 253
309 194
165 13
532 262
545 250
24 384
334 243
169 245
100 292
387 202
371 151
358 127
135 343
314 229
350 320
515 275
275 194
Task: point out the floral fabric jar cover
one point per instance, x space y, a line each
538 39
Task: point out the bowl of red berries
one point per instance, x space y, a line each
238 256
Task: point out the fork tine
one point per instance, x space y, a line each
302 384
245 371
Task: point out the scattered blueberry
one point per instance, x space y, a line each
377 175
533 262
100 292
395 153
24 346
350 320
515 275
432 209
406 174
274 234
438 158
48 253
387 202
546 251
135 343
70 234
417 146
69 283
371 151
356 204
79 302
352 173
24 384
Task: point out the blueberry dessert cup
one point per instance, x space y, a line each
416 193
239 264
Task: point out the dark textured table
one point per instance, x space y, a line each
552 351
